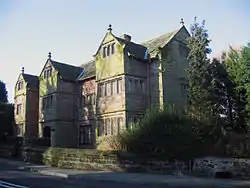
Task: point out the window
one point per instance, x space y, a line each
20 130
136 85
108 88
108 50
101 128
19 109
119 86
104 51
113 87
142 85
113 48
85 135
119 124
47 102
47 72
20 85
90 99
107 127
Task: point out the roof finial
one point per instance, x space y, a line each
22 70
110 28
49 56
182 22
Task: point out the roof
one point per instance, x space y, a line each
89 70
134 49
66 71
160 41
31 80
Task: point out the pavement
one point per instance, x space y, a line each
77 178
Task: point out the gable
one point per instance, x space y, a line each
46 65
109 37
66 72
20 79
155 44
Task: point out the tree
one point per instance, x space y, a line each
237 68
199 102
3 92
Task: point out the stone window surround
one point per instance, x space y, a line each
110 87
20 85
47 102
19 109
110 126
108 49
85 135
20 130
136 85
89 99
47 72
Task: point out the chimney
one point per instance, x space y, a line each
126 37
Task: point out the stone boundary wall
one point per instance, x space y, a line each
210 166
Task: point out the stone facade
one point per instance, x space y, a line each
102 97
26 105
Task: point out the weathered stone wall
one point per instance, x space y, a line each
174 62
20 98
210 166
32 113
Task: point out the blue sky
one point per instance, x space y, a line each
73 29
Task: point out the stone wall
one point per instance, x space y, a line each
211 166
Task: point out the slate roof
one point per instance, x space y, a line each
66 71
89 70
160 41
134 49
31 80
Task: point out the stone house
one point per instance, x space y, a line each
101 97
26 105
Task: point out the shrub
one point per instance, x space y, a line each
107 143
163 134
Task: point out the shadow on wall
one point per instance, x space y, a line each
87 118
48 101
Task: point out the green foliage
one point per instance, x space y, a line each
6 119
237 66
3 92
199 99
163 134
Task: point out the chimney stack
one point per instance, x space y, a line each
126 37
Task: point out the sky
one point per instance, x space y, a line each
73 29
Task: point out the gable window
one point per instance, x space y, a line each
20 85
104 51
19 109
108 50
113 48
47 72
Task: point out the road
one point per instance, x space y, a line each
12 177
